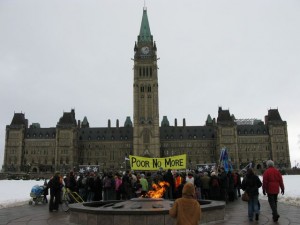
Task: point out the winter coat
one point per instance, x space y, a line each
251 183
144 184
205 180
55 184
168 177
71 183
272 180
186 210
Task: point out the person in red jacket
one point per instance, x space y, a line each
272 181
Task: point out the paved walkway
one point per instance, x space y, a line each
236 214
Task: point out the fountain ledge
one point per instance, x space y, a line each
93 213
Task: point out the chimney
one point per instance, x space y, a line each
175 122
183 122
79 124
108 123
117 124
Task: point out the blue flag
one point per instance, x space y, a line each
225 160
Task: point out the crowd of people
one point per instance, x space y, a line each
116 186
221 185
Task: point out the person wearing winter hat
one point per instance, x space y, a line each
187 209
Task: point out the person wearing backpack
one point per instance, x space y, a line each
214 186
90 187
109 187
205 180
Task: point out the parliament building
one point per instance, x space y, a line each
72 142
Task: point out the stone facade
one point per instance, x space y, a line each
72 143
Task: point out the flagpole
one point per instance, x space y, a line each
245 167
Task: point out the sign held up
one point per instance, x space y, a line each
144 163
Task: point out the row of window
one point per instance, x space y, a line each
190 136
252 132
147 89
104 138
41 135
98 131
145 71
190 145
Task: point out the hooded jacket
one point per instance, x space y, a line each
186 210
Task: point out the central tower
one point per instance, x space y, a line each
146 140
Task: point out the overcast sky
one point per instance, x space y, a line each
56 55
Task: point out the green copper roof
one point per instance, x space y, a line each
165 122
145 33
128 122
209 120
84 121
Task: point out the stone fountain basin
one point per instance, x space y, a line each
141 211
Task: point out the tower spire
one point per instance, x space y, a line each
145 33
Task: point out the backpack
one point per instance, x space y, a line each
107 182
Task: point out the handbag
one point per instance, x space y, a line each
245 197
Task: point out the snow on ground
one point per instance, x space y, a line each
17 192
292 191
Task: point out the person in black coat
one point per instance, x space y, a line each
224 184
250 184
55 184
168 177
45 192
98 188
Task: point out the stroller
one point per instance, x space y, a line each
37 195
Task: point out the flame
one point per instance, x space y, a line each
158 190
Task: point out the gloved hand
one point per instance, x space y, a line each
282 192
264 192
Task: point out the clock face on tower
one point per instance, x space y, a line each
145 50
